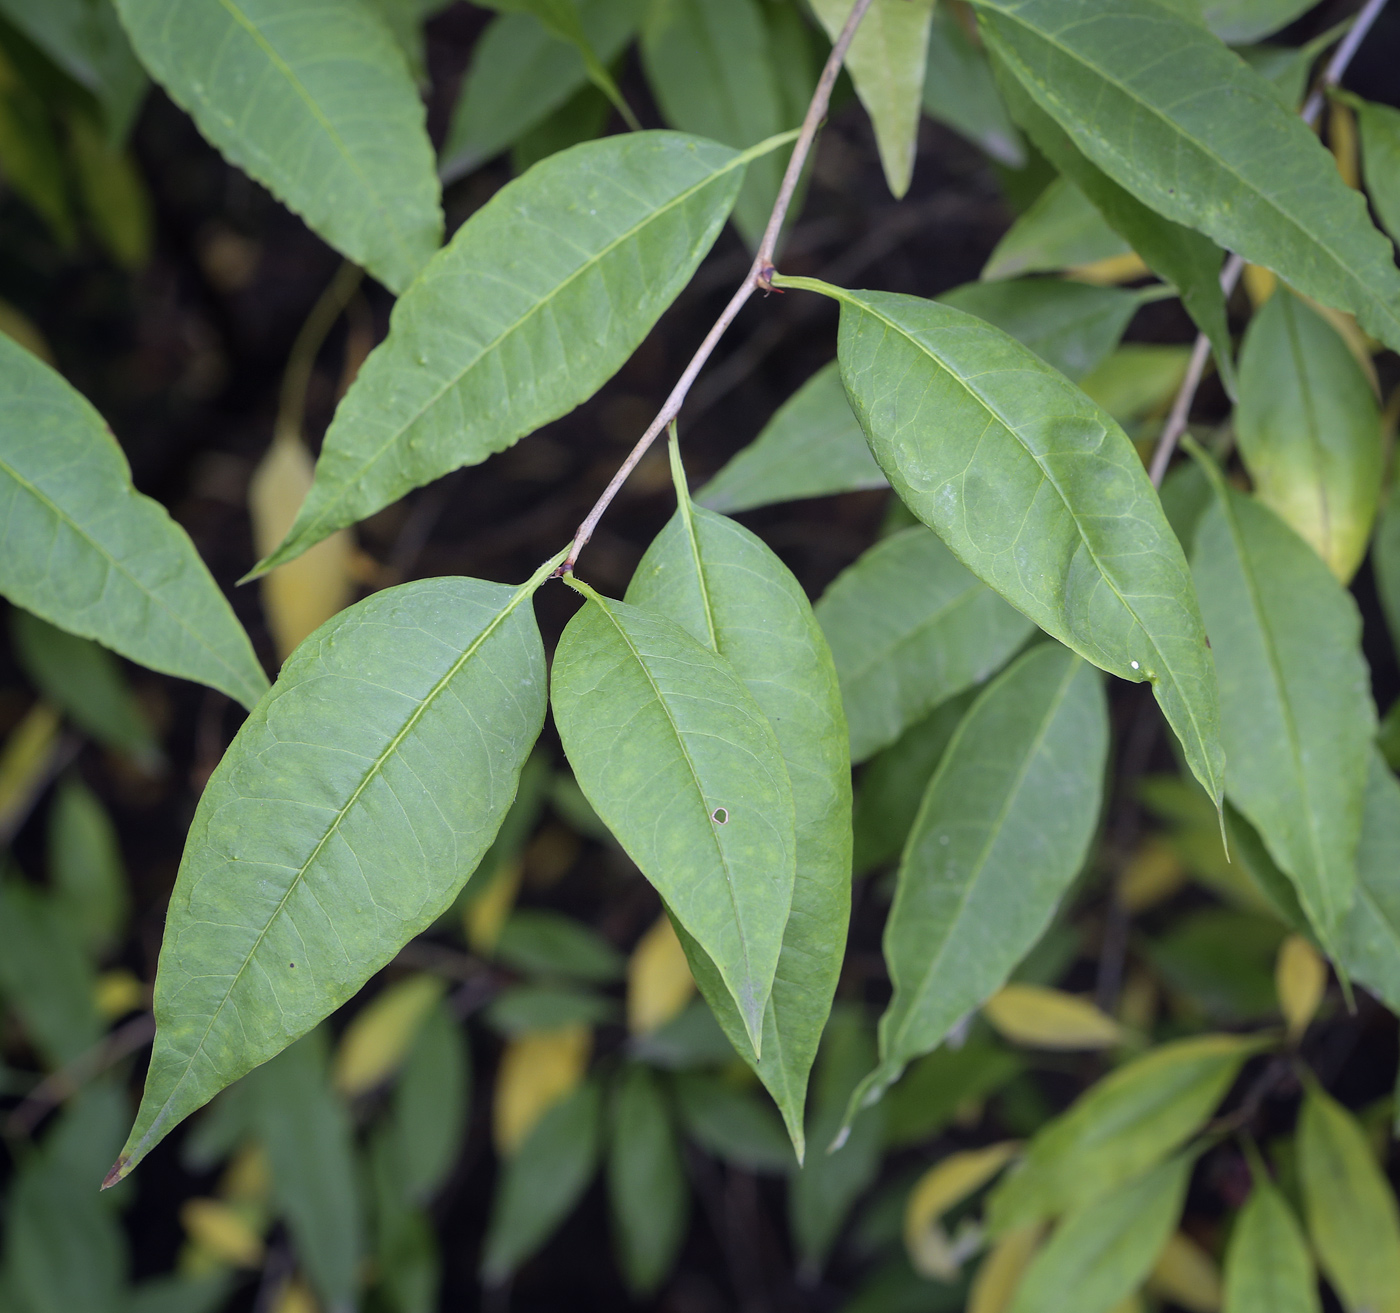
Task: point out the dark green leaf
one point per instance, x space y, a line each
692 1039
1380 158
1242 21
580 118
543 1181
933 1090
733 1124
524 1009
317 104
546 943
180 1294
537 300
1268 1268
85 551
428 1109
1137 379
342 821
1186 496
959 90
1285 68
85 868
1061 230
1223 961
1369 942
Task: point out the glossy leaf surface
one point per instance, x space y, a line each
85 551
1296 709
536 301
909 627
1037 492
730 592
682 765
1268 1268
1002 831
343 820
316 103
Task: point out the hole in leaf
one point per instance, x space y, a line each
720 816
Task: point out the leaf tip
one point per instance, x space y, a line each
120 1170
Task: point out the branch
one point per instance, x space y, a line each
1312 107
759 276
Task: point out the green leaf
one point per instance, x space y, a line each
1037 492
30 157
520 73
959 90
928 1096
732 594
427 1119
709 66
1309 430
1124 80
1104 1250
1136 380
86 552
1239 22
306 1133
1380 160
886 62
1350 1209
543 1181
1295 701
1222 960
317 104
85 868
647 1188
1062 229
527 1009
180 1294
536 301
1369 942
737 1126
349 810
909 628
1123 1126
679 760
580 118
1268 1268
1003 829
1284 68
85 682
546 943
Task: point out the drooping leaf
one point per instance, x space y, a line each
1239 22
1309 430
886 61
1380 160
1301 978
1002 831
1369 942
909 627
88 553
1037 492
348 812
1124 1125
427 1117
1268 1268
1296 710
536 301
735 1125
85 867
543 1182
1123 83
520 72
647 1189
1103 1250
679 760
710 68
959 90
308 1138
1062 229
317 104
1350 1208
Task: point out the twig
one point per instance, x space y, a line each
1312 107
291 407
759 276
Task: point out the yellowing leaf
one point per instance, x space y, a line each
219 1230
1050 1019
1300 976
118 992
485 915
1185 1274
378 1040
1001 1271
25 761
1341 134
1260 283
659 983
1125 268
945 1184
295 1297
248 1177
536 1071
302 595
1153 874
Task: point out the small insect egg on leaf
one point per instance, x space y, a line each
720 816
1134 664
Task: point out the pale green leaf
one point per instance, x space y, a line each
314 101
1135 85
1062 229
1268 1268
1003 829
1380 160
887 61
647 1188
342 821
1103 1251
1037 492
1309 430
537 300
709 66
1349 1205
1369 942
1125 1124
909 627
682 765
543 1181
85 551
520 73
85 867
1295 701
959 90
731 593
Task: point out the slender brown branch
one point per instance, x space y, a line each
759 276
1186 395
